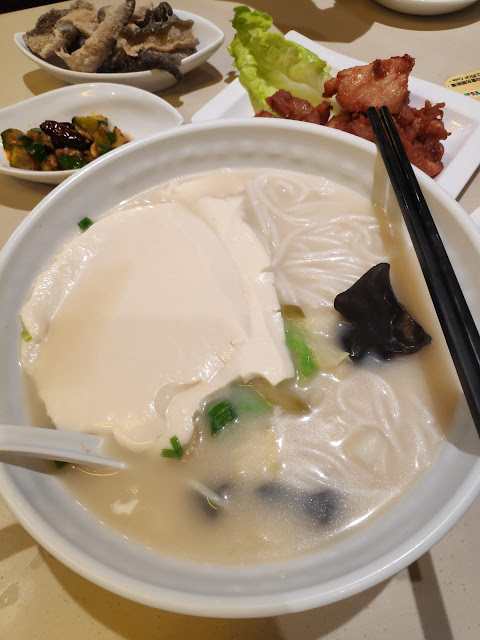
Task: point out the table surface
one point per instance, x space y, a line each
436 597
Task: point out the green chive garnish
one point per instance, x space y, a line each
85 223
169 453
176 451
220 415
26 336
176 446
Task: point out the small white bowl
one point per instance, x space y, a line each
136 112
210 36
61 525
426 7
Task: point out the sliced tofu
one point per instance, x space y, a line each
147 313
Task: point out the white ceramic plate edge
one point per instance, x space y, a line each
233 101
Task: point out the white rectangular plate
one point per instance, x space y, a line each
461 115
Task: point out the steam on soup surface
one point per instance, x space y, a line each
298 459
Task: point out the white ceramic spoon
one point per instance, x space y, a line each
54 444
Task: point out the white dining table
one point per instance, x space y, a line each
436 598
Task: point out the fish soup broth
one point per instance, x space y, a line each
300 464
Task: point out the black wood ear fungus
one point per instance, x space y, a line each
377 322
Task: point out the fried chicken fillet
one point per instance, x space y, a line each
382 82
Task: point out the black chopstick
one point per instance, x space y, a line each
458 326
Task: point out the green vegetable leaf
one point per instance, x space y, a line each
221 414
302 355
292 312
268 62
248 399
280 396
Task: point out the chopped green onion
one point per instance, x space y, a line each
169 453
85 223
176 451
59 463
110 137
220 415
176 446
25 335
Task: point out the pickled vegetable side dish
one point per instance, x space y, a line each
61 146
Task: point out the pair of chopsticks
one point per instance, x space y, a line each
452 310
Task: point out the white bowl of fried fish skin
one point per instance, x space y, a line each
85 540
426 7
135 112
196 43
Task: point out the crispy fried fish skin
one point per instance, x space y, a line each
162 12
82 16
42 40
101 43
113 39
145 61
58 30
170 35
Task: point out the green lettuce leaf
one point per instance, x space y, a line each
267 61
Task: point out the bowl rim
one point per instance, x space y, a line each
91 76
435 2
245 606
426 7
